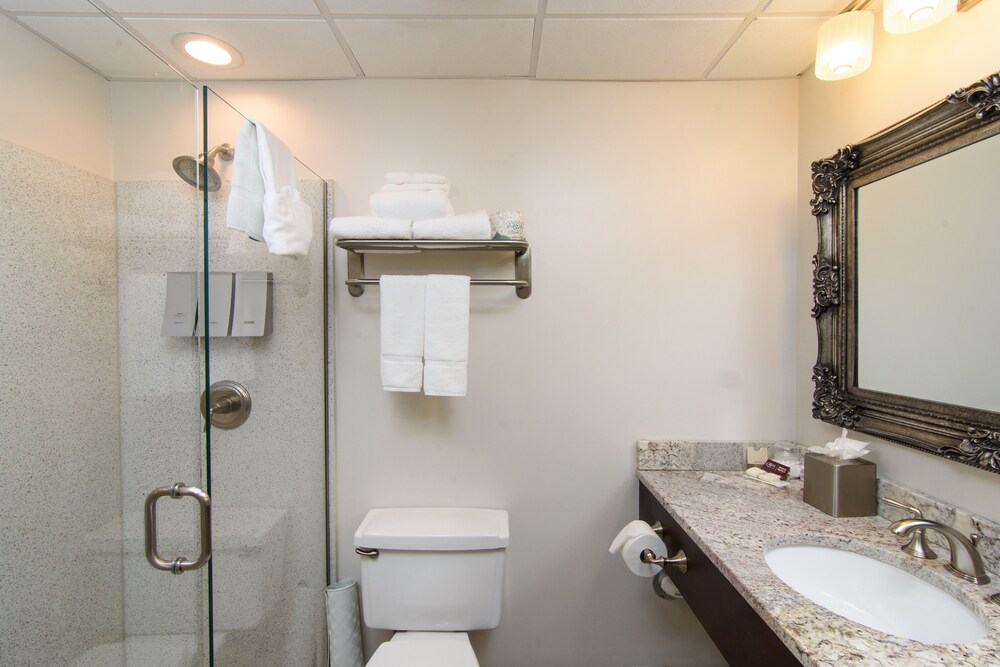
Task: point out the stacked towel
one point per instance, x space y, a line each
367 227
419 178
402 331
418 196
446 335
411 204
474 226
264 202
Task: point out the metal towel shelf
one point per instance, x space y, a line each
356 250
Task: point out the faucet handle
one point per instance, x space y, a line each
917 546
892 502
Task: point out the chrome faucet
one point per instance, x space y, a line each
966 562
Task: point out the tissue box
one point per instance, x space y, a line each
839 487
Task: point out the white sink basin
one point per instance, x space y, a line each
875 594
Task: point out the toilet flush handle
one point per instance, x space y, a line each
367 553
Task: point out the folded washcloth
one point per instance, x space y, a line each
245 209
367 227
412 205
446 335
401 187
400 177
507 225
287 219
402 331
466 226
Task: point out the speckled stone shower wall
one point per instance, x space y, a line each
61 582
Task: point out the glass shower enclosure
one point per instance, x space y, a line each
109 468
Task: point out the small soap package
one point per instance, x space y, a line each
838 481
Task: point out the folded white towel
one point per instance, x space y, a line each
245 209
288 224
402 331
466 226
413 205
446 335
402 187
367 227
400 177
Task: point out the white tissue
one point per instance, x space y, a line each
632 540
842 448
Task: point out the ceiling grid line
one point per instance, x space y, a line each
324 10
139 37
536 37
750 18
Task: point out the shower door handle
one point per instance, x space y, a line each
181 564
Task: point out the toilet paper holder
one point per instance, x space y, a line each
678 560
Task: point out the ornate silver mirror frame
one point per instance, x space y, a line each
959 433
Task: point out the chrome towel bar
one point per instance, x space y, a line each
356 250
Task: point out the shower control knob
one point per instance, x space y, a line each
228 404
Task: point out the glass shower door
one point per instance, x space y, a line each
268 475
97 407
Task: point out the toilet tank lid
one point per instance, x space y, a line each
433 529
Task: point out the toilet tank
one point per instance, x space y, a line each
437 568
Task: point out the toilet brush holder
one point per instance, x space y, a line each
343 624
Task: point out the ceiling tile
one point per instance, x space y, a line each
77 6
825 7
771 47
435 7
103 45
650 6
194 7
272 49
440 47
631 49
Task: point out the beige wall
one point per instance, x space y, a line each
51 103
661 218
909 73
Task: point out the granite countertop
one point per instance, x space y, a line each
735 519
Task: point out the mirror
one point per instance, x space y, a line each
904 284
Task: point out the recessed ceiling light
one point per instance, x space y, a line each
207 50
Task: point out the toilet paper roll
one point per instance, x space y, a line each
632 540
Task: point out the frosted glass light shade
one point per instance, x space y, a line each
844 46
902 16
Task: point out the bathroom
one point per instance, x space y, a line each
668 212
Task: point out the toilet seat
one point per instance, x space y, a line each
425 649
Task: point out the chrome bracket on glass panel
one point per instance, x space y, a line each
181 564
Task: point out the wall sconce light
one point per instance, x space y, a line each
844 47
902 16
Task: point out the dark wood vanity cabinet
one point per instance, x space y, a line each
737 630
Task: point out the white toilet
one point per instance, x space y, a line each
431 574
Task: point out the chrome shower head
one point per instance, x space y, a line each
200 172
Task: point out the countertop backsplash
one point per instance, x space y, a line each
732 455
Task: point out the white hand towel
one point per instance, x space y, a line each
446 335
400 177
367 227
403 187
402 331
287 219
414 205
474 226
245 209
